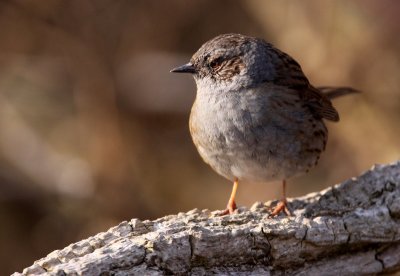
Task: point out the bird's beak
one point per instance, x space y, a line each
186 68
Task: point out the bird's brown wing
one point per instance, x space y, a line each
289 74
319 103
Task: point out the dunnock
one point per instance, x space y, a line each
256 117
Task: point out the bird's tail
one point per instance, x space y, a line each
334 92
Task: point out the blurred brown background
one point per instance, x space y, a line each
93 127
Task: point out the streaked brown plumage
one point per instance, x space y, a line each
256 117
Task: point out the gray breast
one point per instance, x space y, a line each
256 135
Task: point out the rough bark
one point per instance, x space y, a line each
351 228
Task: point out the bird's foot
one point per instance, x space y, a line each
230 209
280 207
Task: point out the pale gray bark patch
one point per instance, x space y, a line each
352 228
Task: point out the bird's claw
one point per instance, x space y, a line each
230 209
280 207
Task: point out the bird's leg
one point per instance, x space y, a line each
282 204
231 207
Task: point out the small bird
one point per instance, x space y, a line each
256 117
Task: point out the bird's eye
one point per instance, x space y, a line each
215 63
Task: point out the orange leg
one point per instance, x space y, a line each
282 205
231 207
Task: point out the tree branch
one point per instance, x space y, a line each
352 228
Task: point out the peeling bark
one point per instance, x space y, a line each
352 228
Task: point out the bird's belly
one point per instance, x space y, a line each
267 162
240 145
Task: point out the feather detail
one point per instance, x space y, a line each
334 92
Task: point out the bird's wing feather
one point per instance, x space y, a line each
289 74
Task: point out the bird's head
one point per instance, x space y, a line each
229 62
